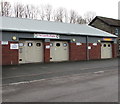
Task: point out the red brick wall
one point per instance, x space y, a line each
46 52
95 51
114 50
77 52
0 53
9 56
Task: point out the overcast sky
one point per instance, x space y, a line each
105 8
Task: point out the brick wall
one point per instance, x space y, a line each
0 53
114 50
46 52
77 52
95 51
9 56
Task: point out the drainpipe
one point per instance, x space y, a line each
87 43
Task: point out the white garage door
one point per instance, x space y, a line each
30 51
59 51
106 50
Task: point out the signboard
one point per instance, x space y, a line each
47 47
78 44
107 39
4 42
21 44
13 46
46 36
89 47
95 44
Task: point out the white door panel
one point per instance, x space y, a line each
106 50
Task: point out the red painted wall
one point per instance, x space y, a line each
95 51
77 52
9 56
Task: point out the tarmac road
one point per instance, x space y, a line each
29 72
93 81
90 87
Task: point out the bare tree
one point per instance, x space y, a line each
5 9
19 10
89 16
73 16
41 12
65 15
45 13
31 12
81 20
48 12
27 11
59 15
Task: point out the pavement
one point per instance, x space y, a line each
30 72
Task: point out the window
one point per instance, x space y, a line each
20 59
108 45
58 44
38 44
65 44
30 44
116 31
21 44
104 45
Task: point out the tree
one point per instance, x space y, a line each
81 20
48 12
19 10
89 16
31 12
42 13
59 15
73 16
5 9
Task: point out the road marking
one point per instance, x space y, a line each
99 72
44 73
27 82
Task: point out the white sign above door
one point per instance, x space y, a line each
49 36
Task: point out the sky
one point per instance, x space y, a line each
105 8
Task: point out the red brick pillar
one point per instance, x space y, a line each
9 56
95 51
0 53
72 51
47 52
77 52
114 50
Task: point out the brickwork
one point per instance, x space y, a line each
95 51
77 52
0 53
46 52
114 50
9 56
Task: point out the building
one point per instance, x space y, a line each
107 24
32 41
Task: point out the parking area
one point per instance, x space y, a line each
28 72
